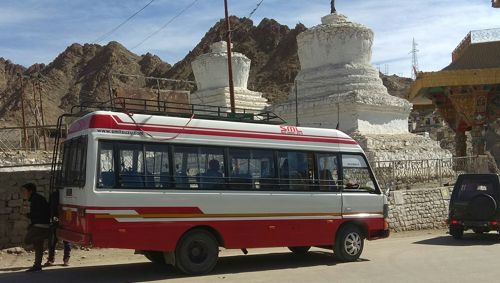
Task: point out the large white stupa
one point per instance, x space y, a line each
337 87
211 75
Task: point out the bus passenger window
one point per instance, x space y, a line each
296 170
131 174
327 171
211 164
198 167
157 167
250 169
356 174
106 178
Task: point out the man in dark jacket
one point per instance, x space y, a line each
38 230
54 214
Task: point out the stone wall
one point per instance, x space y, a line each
419 209
13 222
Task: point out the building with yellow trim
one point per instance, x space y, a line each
466 92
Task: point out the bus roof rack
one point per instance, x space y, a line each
176 109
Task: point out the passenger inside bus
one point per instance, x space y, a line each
240 179
212 178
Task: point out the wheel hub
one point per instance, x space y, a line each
352 243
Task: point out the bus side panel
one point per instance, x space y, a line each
278 233
235 233
161 236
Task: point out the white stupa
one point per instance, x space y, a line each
337 87
211 75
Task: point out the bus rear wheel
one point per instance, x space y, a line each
155 257
299 250
349 243
197 252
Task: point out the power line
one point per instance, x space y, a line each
249 17
166 24
102 37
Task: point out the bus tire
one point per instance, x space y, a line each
155 257
349 243
299 250
197 252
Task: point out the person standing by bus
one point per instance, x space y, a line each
54 219
38 230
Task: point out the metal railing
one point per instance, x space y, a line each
442 171
166 108
30 138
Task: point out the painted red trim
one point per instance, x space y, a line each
119 120
144 210
109 122
164 236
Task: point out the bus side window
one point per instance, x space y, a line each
186 167
250 169
327 171
131 166
106 178
356 174
157 167
211 165
296 170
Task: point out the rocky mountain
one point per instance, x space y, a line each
80 73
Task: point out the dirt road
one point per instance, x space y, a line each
426 256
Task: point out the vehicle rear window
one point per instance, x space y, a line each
74 158
469 188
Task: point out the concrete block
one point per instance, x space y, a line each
398 198
5 210
445 193
15 203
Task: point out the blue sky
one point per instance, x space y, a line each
35 31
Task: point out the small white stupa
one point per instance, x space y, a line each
211 75
337 87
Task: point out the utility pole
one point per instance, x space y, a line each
296 104
35 113
41 113
414 60
229 59
25 133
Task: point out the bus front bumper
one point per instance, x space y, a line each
74 237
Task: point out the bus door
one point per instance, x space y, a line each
361 196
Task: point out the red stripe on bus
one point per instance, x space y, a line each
119 120
107 122
144 210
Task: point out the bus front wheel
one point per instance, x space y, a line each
349 243
197 252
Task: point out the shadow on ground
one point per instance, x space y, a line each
145 271
469 239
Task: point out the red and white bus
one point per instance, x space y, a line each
177 189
